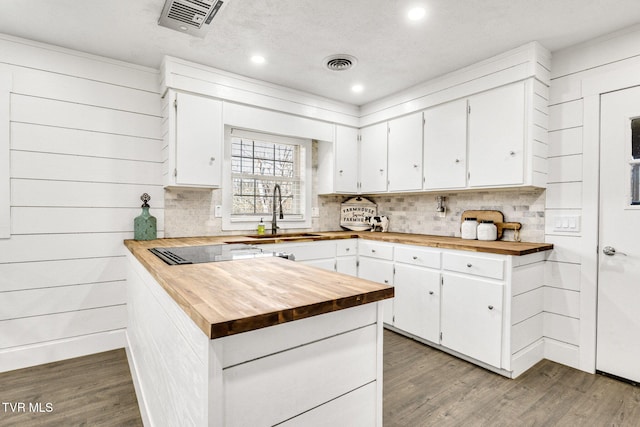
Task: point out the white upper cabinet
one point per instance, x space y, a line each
445 146
405 153
346 158
497 137
195 136
373 159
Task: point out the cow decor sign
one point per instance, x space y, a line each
356 212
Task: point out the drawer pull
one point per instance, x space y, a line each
430 292
347 249
490 307
415 257
386 281
469 265
373 250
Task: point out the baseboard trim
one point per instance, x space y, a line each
54 351
527 357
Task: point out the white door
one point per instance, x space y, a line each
405 153
373 158
618 337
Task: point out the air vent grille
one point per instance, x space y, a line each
340 62
189 16
186 14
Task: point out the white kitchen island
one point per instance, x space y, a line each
318 364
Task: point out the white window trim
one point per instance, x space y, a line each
250 222
5 135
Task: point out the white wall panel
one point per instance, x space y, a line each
566 249
30 54
562 301
37 302
564 195
88 169
527 278
565 169
527 305
565 142
562 328
37 192
526 332
30 330
566 115
47 139
562 275
38 220
48 274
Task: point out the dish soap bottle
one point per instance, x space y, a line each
145 226
261 228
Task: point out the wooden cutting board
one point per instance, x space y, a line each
497 217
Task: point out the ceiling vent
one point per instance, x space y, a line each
189 16
340 62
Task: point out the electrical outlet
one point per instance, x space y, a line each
218 211
315 212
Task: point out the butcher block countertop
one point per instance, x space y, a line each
230 297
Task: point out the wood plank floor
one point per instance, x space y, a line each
422 387
426 387
93 390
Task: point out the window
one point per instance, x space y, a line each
635 162
257 163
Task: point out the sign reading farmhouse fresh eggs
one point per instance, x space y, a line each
354 211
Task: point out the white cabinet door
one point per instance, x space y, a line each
382 272
445 146
347 265
373 158
405 153
496 137
346 158
417 301
471 317
199 136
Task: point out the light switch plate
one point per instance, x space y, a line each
567 223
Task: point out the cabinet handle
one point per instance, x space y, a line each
213 159
386 281
469 265
430 292
512 153
457 160
340 171
415 166
381 170
490 307
373 250
347 249
415 257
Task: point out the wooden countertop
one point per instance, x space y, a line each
495 247
230 297
226 298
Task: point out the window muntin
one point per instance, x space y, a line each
257 165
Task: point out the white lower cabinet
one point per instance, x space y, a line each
417 301
471 317
375 263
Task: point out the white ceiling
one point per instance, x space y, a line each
296 35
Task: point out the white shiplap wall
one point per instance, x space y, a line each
85 144
571 272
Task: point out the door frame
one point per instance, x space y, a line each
624 77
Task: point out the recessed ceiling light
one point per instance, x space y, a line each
357 88
417 13
258 59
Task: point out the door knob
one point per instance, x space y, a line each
611 251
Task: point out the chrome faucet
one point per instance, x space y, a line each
274 221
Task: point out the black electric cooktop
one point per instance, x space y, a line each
208 253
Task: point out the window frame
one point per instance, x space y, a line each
250 221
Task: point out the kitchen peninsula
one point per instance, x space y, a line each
252 342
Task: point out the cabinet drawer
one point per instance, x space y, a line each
375 250
417 256
478 266
311 250
347 247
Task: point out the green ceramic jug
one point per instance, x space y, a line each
144 226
